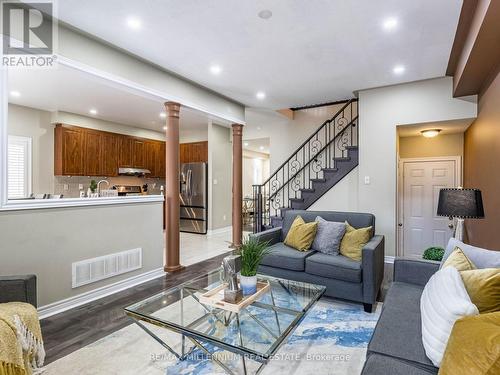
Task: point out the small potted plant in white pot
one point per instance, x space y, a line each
251 251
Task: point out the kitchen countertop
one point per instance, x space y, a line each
28 204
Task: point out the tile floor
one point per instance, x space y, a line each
196 248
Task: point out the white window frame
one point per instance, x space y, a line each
27 142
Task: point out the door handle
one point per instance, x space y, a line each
400 224
450 226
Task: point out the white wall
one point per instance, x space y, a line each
219 176
109 126
36 124
250 158
285 135
47 242
380 112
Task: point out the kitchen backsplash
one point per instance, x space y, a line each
69 187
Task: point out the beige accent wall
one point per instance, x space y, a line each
442 145
250 158
46 242
219 176
481 167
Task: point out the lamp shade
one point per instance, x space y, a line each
461 203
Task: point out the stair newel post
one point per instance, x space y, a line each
257 204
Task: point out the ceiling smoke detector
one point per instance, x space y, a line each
265 14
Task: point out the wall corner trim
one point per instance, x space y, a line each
389 259
81 299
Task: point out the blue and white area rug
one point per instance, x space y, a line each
331 340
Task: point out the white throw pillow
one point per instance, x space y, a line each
443 301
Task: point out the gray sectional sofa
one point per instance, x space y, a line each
396 345
18 289
343 277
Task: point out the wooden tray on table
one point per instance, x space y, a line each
215 297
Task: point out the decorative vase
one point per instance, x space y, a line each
248 284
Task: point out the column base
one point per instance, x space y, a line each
171 269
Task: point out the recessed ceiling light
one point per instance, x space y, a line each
399 69
215 69
390 23
258 128
261 95
134 23
245 144
165 128
93 111
261 148
265 14
430 133
15 94
163 114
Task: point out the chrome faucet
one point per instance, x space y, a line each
99 186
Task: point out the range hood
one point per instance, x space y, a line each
133 171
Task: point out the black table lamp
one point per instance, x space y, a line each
460 204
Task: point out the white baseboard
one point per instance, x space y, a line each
389 259
81 299
211 232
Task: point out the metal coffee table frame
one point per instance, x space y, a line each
224 317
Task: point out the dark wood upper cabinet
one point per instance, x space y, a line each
93 154
110 151
194 152
126 152
69 151
161 160
88 152
139 153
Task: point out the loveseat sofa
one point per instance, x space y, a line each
18 289
396 345
343 277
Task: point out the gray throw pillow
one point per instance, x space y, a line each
482 258
328 236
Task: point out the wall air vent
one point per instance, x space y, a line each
91 270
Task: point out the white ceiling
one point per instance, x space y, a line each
70 90
308 52
447 127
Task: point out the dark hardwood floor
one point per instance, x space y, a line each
73 329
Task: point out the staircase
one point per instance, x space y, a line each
323 160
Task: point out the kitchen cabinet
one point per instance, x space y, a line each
194 152
89 152
69 151
110 154
139 153
93 154
126 152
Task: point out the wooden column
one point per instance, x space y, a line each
172 202
237 184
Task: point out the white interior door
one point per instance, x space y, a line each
422 181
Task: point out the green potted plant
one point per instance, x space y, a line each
251 251
434 253
93 186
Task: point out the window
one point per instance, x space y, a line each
19 167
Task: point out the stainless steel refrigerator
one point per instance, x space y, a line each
193 196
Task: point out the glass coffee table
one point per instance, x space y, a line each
255 333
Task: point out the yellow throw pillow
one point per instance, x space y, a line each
301 234
483 287
354 240
473 347
459 260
